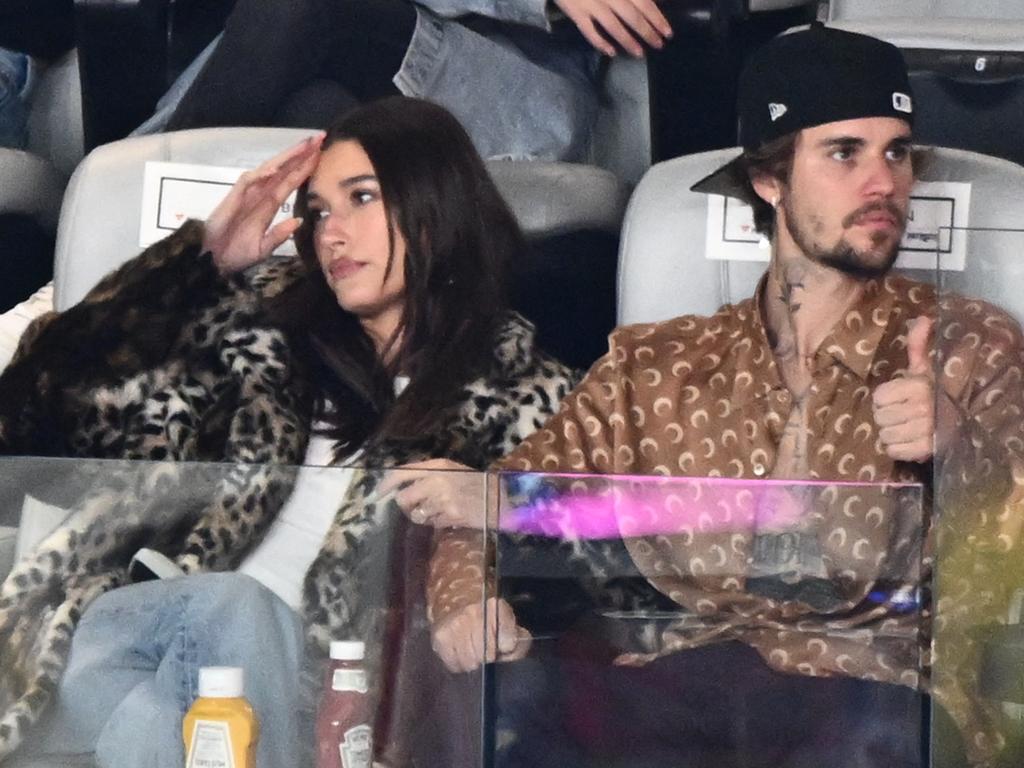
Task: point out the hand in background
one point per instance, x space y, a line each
238 232
622 20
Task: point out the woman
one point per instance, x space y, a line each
397 320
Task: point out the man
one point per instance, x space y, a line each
826 373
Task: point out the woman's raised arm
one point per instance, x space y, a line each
238 232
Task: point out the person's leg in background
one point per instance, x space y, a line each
270 51
133 671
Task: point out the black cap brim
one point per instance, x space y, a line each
727 181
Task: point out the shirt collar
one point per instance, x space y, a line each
852 342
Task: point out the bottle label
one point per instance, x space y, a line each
349 680
357 747
211 746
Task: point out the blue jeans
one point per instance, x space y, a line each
134 664
13 110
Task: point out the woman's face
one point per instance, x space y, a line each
351 239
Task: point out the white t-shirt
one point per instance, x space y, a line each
296 536
281 560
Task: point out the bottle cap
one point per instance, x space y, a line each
221 682
347 650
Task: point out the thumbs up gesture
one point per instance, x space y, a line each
904 408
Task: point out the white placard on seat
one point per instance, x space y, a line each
172 193
939 212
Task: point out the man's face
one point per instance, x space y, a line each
845 205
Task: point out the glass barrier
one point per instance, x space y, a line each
324 554
703 621
978 645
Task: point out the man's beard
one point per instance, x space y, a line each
843 256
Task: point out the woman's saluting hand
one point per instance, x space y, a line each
238 232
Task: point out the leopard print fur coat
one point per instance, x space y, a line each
162 360
195 376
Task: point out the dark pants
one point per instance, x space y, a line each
298 62
719 706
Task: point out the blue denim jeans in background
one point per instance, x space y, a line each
133 673
13 107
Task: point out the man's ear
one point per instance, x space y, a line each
768 188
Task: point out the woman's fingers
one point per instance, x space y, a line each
278 234
624 21
239 232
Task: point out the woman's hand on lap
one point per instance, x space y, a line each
238 232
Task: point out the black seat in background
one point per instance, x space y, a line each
566 286
129 53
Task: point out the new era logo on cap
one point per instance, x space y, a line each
776 111
901 102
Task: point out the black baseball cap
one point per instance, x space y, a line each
811 77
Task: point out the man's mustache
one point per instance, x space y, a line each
885 206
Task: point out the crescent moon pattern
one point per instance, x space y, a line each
643 352
721 428
653 376
679 367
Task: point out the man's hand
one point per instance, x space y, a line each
905 408
439 492
238 232
622 20
467 638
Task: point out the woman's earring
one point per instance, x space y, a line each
775 201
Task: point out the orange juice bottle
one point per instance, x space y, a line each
220 729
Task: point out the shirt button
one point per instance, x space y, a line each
784 395
759 469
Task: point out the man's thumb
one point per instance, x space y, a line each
918 336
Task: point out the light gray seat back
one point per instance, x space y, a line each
32 181
924 9
55 114
664 271
99 223
31 185
954 25
621 139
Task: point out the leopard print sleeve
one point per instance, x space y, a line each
267 428
127 323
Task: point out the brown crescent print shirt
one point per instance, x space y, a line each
703 397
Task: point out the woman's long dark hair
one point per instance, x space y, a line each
460 238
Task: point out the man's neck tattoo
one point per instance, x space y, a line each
791 281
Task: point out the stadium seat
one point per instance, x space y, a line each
32 181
